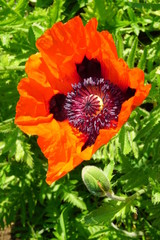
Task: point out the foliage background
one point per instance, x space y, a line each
131 159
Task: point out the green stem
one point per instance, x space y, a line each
115 197
128 234
127 199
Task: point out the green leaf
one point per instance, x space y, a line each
100 8
120 45
131 14
7 125
105 213
142 60
21 7
132 53
133 144
56 12
31 37
124 141
74 200
149 6
9 15
108 170
148 124
62 224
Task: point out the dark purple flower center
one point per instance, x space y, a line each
94 103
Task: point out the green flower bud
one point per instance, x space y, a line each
96 181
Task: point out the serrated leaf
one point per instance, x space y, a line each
9 15
156 198
124 141
75 200
149 123
105 213
6 125
133 144
19 153
135 178
152 135
21 7
56 12
108 170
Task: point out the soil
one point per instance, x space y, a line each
5 234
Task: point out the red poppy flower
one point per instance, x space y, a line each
77 95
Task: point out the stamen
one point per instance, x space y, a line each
93 105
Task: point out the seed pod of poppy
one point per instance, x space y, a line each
96 181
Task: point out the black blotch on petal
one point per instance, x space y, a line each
91 140
89 68
129 93
56 107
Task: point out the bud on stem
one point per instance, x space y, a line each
96 181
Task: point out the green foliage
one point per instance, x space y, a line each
131 160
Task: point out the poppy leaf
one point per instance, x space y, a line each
148 124
133 144
75 200
124 141
21 7
142 60
120 45
105 213
56 12
31 37
132 54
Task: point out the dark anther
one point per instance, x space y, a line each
89 68
56 106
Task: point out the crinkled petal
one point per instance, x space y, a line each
61 47
136 77
100 45
35 92
62 147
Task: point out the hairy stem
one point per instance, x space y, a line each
130 198
128 234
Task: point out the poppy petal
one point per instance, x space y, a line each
61 47
32 107
100 45
35 92
62 147
136 79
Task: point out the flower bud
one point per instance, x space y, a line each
96 181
